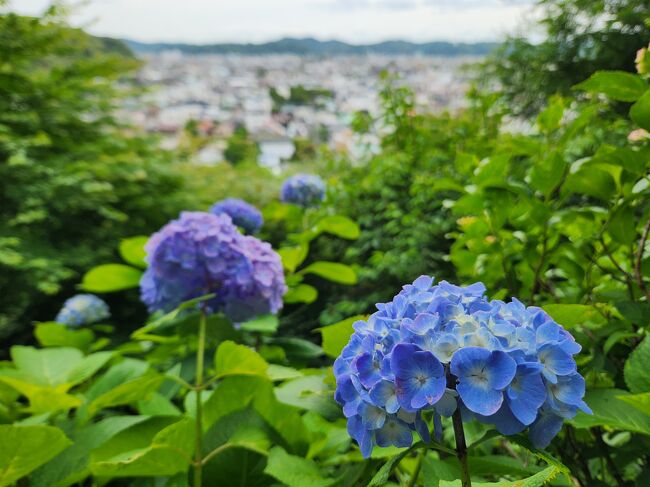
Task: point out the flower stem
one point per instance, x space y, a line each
461 449
418 466
198 386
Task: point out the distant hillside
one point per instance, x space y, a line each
314 47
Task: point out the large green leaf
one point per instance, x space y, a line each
537 480
132 250
637 368
549 119
73 464
336 336
25 448
238 392
169 453
309 392
108 278
572 315
292 257
640 111
617 85
294 471
127 392
338 225
261 324
611 411
302 293
45 376
639 401
234 359
547 173
332 271
53 334
591 181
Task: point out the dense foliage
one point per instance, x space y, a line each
556 214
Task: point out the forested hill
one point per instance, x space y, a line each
314 47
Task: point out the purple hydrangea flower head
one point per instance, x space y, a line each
82 309
446 348
304 190
243 214
202 253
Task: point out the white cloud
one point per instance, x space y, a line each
203 21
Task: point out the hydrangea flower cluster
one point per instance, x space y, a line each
304 190
201 253
436 348
83 309
243 214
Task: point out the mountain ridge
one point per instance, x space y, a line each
309 46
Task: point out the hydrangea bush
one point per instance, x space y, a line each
443 349
304 190
202 253
83 309
243 214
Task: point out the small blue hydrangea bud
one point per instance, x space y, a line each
201 253
446 348
83 309
243 214
306 190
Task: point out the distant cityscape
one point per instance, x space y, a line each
280 98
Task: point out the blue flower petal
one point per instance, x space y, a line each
480 398
544 429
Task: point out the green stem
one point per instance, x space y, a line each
418 467
198 388
461 449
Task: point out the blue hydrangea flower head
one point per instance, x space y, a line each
440 348
243 214
83 309
306 190
202 253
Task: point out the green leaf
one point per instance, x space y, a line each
639 401
591 181
338 225
280 372
637 368
617 85
547 173
292 257
302 293
73 464
332 271
382 475
640 111
537 480
310 393
622 225
238 392
297 348
549 119
132 251
294 471
169 453
25 448
51 334
611 410
337 336
261 324
234 359
572 315
127 392
108 278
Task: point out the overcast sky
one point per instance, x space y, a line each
358 21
